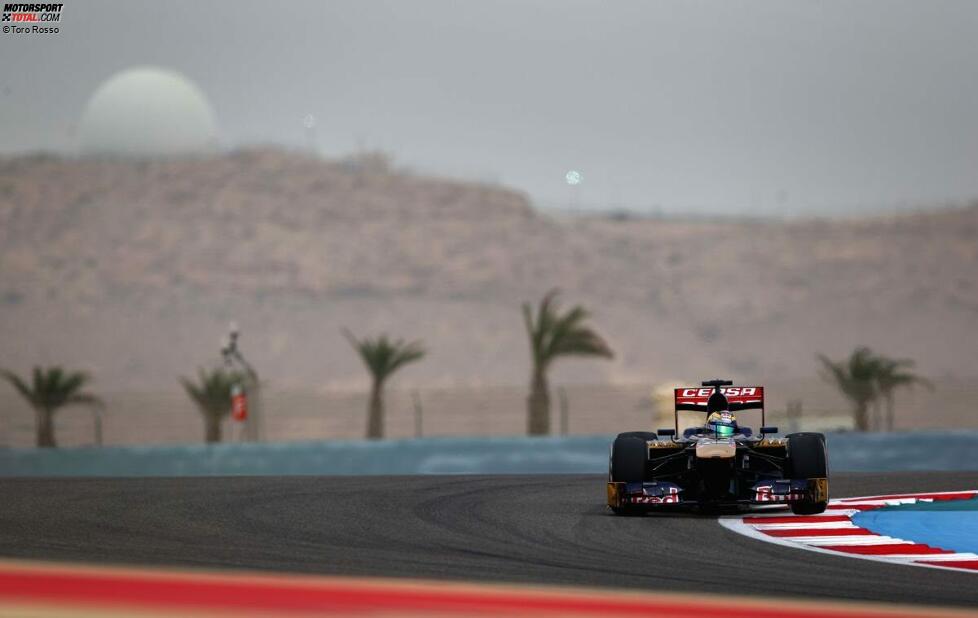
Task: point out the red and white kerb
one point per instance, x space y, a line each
833 532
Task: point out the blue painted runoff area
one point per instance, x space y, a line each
848 452
950 524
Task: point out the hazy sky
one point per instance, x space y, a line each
723 106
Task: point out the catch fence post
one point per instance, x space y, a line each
418 414
97 423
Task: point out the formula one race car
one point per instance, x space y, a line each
718 464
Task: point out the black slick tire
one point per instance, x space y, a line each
806 460
629 455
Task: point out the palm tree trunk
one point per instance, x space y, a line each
375 412
45 428
861 416
212 428
538 405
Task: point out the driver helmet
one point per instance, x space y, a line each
722 424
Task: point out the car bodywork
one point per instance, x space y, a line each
697 468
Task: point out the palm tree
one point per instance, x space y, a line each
212 394
51 389
554 334
856 377
895 373
382 357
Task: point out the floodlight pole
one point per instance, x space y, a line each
309 122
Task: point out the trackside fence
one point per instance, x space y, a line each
168 417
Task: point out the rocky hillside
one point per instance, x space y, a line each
133 269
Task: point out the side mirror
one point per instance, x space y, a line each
666 432
765 430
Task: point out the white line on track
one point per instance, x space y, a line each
802 526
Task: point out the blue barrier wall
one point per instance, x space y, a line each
852 452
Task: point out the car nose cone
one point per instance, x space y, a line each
715 449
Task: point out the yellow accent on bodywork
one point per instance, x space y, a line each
820 489
670 444
615 491
771 443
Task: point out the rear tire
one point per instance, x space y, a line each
629 454
807 460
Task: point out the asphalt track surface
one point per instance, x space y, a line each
527 529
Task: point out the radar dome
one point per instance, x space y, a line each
148 112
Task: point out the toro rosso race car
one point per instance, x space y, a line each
720 463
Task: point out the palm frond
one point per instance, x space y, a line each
584 342
897 372
547 311
855 377
554 334
830 369
73 381
20 386
382 356
405 354
51 388
540 329
562 327
211 392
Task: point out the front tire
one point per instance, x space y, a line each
807 460
629 455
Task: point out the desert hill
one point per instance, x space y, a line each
133 269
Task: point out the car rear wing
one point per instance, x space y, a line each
738 398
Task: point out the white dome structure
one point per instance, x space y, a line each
147 112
